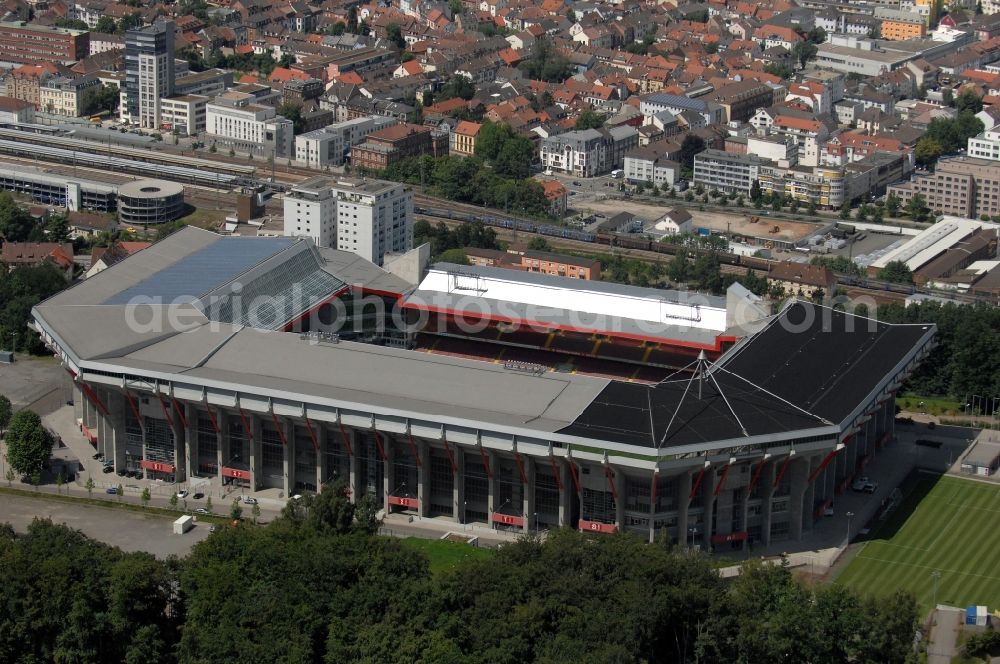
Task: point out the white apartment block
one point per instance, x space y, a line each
366 217
331 145
184 114
310 210
986 145
234 120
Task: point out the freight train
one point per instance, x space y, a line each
621 240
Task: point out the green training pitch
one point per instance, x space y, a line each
945 524
444 555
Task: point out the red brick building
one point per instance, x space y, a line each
33 44
544 262
387 146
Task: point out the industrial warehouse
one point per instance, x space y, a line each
712 421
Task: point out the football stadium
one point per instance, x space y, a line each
477 394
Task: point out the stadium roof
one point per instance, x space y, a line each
806 359
546 301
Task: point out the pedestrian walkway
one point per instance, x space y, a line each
941 644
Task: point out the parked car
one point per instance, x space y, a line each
212 529
198 496
109 469
111 491
202 510
182 494
122 473
865 484
98 455
249 500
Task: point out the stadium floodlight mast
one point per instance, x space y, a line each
936 575
848 541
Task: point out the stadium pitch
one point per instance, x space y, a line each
944 533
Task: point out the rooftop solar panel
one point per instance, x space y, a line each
204 270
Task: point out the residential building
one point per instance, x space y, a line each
542 262
987 144
149 73
25 82
331 145
558 197
710 112
366 217
16 110
963 186
238 121
463 138
652 163
310 210
820 186
729 173
208 83
391 144
802 279
185 114
675 222
28 43
896 24
17 254
740 100
61 95
588 152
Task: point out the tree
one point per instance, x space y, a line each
145 497
927 151
539 244
6 412
817 35
515 157
896 272
892 204
59 482
690 146
456 86
782 71
395 35
129 22
9 476
293 112
236 510
917 208
804 51
119 491
106 25
545 63
366 515
255 512
457 256
589 119
968 100
491 139
90 487
208 504
755 191
29 444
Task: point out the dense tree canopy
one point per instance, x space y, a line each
444 239
897 272
545 63
964 361
29 444
311 588
589 119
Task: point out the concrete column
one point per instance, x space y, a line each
809 496
618 477
707 489
322 472
193 444
290 454
388 476
566 495
744 508
798 471
222 437
256 452
79 400
423 477
652 510
684 481
491 503
458 487
529 495
353 464
112 443
766 483
180 443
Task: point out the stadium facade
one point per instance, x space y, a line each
196 358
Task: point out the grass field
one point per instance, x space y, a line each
444 555
945 524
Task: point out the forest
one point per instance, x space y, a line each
315 585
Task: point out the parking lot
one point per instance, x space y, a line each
31 378
130 531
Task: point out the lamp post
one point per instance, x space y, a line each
536 522
849 515
936 575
